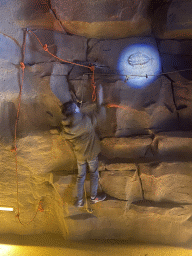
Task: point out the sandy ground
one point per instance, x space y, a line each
53 244
93 249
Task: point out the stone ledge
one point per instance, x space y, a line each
136 147
177 145
167 182
140 223
123 185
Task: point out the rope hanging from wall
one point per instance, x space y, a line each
22 66
92 68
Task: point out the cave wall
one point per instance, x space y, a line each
145 162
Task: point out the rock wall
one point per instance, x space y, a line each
104 19
173 20
145 161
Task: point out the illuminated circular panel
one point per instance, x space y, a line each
140 63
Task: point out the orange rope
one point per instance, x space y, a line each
115 106
22 66
92 68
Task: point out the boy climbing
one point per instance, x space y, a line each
80 132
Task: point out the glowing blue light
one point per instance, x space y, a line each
140 63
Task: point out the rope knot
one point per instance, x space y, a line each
92 68
14 149
40 207
45 47
17 215
22 65
94 92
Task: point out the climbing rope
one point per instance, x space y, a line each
40 204
92 68
116 106
22 66
93 83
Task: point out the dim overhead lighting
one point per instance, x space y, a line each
7 209
138 62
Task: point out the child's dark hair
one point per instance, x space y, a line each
67 108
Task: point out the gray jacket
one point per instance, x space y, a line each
80 132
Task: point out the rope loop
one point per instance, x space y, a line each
40 207
92 68
45 47
17 215
14 149
22 65
94 93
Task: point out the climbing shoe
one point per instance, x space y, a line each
97 199
79 203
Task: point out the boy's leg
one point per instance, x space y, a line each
94 176
82 169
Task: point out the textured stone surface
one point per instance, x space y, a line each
66 47
44 153
169 225
16 15
9 80
174 20
149 222
167 182
106 52
103 19
183 101
36 80
125 147
9 26
173 145
149 107
10 57
70 48
124 185
164 118
163 115
131 122
39 107
38 114
34 52
176 61
10 51
177 66
180 47
91 11
82 87
163 105
141 222
7 121
58 81
60 87
32 187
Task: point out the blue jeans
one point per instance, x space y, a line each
94 177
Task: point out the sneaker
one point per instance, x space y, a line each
98 198
79 203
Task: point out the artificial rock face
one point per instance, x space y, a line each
104 19
145 160
176 59
173 20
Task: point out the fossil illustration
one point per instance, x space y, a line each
139 58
